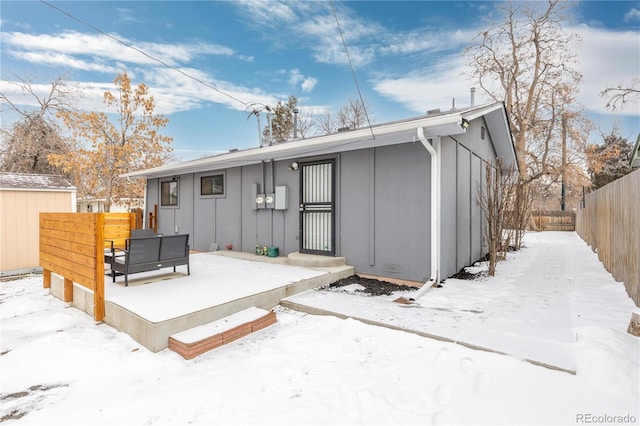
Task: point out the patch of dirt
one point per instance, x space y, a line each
34 394
17 277
372 287
463 274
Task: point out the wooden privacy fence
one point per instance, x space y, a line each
610 224
72 246
554 220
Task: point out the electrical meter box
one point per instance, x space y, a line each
258 198
281 198
269 200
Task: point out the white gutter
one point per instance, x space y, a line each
386 134
435 211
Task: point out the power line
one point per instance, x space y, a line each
130 46
355 79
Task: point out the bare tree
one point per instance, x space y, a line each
621 94
60 97
519 212
306 124
494 197
325 122
528 62
28 142
353 115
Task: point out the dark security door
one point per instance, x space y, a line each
317 208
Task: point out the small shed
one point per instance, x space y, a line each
634 162
22 198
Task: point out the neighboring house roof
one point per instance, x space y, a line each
33 182
392 133
634 162
90 199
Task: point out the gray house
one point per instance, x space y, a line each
396 200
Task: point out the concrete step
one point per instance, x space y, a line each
198 340
314 260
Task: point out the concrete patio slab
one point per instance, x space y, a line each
219 286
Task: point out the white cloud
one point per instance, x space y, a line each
295 76
309 83
63 60
607 58
127 15
107 48
306 83
421 41
632 15
268 13
312 26
430 88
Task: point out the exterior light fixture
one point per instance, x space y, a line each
294 166
464 124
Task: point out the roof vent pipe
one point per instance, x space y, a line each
295 124
473 96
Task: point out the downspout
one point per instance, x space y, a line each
435 211
272 190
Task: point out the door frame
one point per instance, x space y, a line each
331 206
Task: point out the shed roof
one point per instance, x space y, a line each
634 162
392 133
26 181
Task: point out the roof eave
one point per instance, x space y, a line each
337 142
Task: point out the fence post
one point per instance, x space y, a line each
46 278
68 290
98 292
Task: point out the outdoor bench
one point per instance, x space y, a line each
150 254
110 253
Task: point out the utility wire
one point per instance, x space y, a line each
355 79
130 46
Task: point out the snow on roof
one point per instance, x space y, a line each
34 181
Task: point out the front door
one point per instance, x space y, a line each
317 208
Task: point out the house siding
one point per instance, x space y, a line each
382 206
462 175
389 234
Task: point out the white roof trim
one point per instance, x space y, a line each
385 134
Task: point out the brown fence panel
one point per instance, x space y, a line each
72 245
118 226
610 224
555 220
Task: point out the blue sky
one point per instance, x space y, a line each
407 57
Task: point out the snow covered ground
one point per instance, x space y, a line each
59 367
